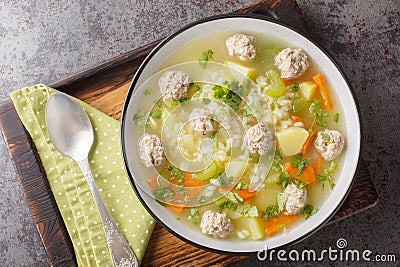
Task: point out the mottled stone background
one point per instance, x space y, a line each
44 40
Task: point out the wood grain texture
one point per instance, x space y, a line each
104 87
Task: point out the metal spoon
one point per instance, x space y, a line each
71 132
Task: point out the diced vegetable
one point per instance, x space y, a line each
274 225
245 194
189 181
297 119
210 172
308 89
255 225
291 140
300 106
240 68
323 88
277 87
307 176
265 198
308 142
235 169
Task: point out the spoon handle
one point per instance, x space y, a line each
120 251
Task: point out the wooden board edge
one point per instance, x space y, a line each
51 229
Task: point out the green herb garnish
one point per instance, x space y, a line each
335 118
234 197
308 211
247 111
161 193
156 114
158 103
205 56
196 87
328 175
272 211
213 135
284 179
316 111
298 163
295 87
195 215
174 173
230 94
281 201
300 184
140 118
250 211
180 190
147 92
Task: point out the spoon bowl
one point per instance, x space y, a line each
69 127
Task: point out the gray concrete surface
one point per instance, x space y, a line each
42 41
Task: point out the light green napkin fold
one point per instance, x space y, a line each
69 186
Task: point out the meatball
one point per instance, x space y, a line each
216 224
292 63
259 139
329 143
174 84
151 150
295 199
200 121
242 46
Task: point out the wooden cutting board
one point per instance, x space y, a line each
104 87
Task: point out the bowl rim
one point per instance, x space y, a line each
131 91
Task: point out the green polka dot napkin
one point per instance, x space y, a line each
69 186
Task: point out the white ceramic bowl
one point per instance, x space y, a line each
337 82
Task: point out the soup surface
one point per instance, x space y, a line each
244 138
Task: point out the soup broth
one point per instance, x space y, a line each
304 111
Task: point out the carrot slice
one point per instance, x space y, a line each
307 176
245 194
274 225
286 82
297 119
323 89
178 207
308 142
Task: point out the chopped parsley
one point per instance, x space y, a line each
308 211
300 184
147 92
213 135
316 111
247 111
195 215
205 56
298 163
180 190
284 179
230 94
162 192
273 211
295 87
158 103
227 205
156 114
250 211
335 118
140 118
328 175
277 164
174 173
327 138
